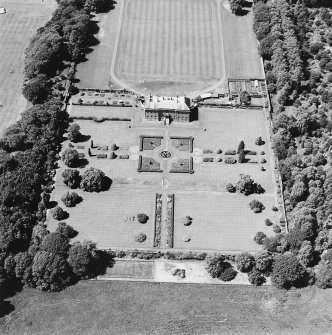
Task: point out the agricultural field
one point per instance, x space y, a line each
171 47
17 26
100 308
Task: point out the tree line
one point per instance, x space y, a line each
29 150
299 76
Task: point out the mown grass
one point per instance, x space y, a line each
146 308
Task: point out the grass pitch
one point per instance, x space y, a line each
171 47
17 26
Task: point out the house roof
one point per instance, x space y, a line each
168 103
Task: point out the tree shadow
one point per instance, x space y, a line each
52 204
107 6
107 183
242 12
82 163
5 308
84 138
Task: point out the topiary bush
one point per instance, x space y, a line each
260 237
59 214
141 237
187 221
71 178
276 229
245 262
71 199
142 218
268 222
93 180
259 141
240 147
256 206
230 188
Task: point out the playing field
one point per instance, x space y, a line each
170 40
170 47
17 26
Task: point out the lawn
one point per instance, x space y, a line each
104 308
220 221
241 59
17 27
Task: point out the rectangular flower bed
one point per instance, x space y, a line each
123 156
183 165
170 221
102 156
149 142
182 143
148 164
157 222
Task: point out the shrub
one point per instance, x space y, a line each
70 157
230 160
287 272
74 134
256 206
247 186
187 221
256 278
141 237
259 141
93 180
71 199
240 147
58 213
264 262
324 275
71 178
259 238
245 98
268 222
228 274
230 188
245 262
55 243
263 161
271 243
276 229
215 265
142 218
66 230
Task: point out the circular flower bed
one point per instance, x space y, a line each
165 154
